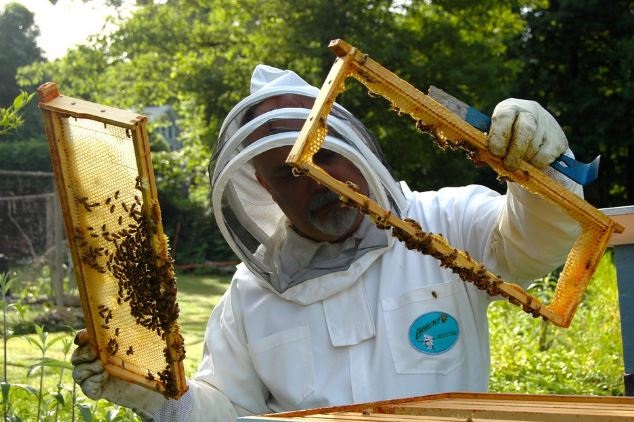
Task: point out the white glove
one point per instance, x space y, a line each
96 383
524 130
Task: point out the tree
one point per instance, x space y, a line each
18 34
459 46
199 57
578 63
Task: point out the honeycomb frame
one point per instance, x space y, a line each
125 276
450 131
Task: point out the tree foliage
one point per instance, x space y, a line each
578 58
198 57
18 45
10 117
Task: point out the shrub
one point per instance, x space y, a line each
532 356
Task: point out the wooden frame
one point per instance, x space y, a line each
104 177
470 407
451 131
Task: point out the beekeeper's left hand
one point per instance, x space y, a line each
524 130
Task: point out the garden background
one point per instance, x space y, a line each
188 62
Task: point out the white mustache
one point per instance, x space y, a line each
338 221
323 198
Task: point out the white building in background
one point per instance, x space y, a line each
163 120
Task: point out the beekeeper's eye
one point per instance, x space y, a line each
324 157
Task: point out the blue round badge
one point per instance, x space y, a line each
434 333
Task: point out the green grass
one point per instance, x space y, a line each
197 295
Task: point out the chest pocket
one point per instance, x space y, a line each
426 329
284 362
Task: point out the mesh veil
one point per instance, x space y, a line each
245 213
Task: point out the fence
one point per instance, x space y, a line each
31 225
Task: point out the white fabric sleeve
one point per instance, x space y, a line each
210 404
201 403
226 385
533 235
176 410
226 365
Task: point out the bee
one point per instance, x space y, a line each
365 208
352 186
112 347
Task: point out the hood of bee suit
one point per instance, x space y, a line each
252 223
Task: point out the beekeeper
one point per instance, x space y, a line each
325 308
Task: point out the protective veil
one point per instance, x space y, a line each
253 224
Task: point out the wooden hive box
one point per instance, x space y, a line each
472 407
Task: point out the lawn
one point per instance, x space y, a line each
197 295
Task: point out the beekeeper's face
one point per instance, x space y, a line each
314 211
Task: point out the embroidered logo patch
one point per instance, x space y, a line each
434 333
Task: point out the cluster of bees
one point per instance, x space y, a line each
478 275
144 276
145 280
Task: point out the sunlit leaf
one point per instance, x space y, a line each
51 363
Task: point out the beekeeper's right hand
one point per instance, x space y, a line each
96 382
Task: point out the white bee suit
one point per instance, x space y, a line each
366 319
